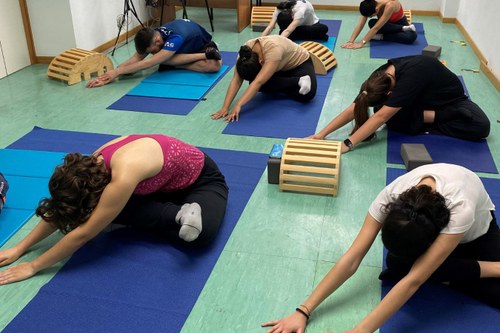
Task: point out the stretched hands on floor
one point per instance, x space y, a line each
16 273
228 117
102 79
295 322
352 45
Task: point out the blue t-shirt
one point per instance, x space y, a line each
183 36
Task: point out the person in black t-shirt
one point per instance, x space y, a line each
411 95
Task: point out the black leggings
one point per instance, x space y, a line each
287 82
316 31
461 269
463 119
393 32
157 211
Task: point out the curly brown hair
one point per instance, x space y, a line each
75 188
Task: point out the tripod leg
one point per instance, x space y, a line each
131 7
184 11
210 15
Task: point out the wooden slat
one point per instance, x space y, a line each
310 169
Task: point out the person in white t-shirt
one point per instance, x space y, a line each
438 224
297 21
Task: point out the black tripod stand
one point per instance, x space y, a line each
128 6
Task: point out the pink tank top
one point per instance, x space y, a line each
182 164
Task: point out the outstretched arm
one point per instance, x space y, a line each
41 231
361 23
340 120
288 31
340 272
232 90
112 201
265 73
421 270
270 27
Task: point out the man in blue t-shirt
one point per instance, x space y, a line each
178 43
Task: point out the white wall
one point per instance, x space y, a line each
480 18
14 50
449 8
94 21
51 26
58 25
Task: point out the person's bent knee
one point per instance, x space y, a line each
409 37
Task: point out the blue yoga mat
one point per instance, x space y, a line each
11 220
330 43
177 84
132 282
388 50
333 27
474 155
278 116
28 174
165 105
436 308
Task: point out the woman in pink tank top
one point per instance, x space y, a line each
391 24
147 181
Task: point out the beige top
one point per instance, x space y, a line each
282 49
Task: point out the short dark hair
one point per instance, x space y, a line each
248 65
367 7
414 221
143 40
286 5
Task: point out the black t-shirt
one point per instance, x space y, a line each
423 82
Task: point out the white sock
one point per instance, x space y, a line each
305 85
378 37
409 27
189 217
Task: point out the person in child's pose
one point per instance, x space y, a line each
176 44
297 21
438 224
148 181
411 95
272 64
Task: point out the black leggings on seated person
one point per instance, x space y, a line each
157 211
393 32
287 82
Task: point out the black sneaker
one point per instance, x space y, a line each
212 53
210 44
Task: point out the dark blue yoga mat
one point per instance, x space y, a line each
436 308
333 27
387 50
474 155
173 106
125 281
278 116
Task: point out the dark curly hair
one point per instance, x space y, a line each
143 40
248 65
367 7
414 221
286 5
75 188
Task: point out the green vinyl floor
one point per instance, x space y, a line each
284 243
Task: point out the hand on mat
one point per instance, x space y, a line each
316 137
9 256
234 115
295 322
219 114
19 272
345 45
353 46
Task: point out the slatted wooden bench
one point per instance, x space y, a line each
74 64
262 14
407 13
310 166
322 57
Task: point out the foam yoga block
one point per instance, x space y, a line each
432 51
415 155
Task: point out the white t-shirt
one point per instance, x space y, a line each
465 195
302 11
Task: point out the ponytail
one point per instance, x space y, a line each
373 92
